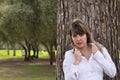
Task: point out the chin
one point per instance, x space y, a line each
81 46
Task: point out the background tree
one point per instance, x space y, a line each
49 27
16 21
119 24
29 23
100 16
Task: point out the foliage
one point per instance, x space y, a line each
49 18
15 21
28 23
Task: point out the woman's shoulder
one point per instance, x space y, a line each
104 49
69 52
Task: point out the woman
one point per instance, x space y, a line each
88 59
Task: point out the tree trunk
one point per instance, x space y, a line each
99 15
37 53
14 50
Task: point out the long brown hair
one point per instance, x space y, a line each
79 27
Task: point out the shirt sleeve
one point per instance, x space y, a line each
70 70
105 61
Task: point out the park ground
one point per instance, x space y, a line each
18 69
15 68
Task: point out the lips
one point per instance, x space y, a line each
79 43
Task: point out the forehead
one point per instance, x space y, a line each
78 31
75 34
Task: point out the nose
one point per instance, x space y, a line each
78 37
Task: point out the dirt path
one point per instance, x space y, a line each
11 62
10 69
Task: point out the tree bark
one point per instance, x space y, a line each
100 16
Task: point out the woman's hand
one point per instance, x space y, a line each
94 48
77 55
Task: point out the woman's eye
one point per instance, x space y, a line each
74 35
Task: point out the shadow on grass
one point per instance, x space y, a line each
17 69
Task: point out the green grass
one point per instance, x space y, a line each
4 54
11 70
15 68
119 54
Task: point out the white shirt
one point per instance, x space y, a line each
91 69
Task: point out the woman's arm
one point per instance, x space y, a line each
70 70
105 62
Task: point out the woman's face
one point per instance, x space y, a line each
79 41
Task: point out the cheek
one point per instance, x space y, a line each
73 40
85 38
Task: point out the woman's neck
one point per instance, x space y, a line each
85 50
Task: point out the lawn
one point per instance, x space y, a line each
4 54
15 68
